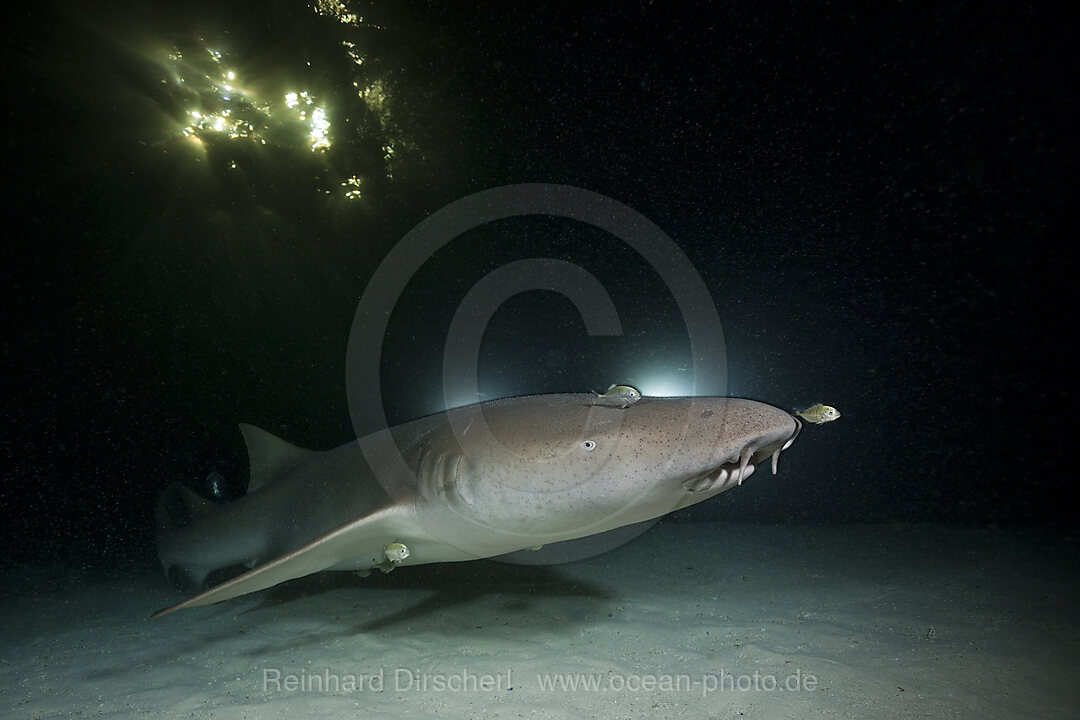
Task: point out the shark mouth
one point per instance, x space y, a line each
734 471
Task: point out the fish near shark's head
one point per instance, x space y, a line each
549 467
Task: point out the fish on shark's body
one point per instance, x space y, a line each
620 396
480 481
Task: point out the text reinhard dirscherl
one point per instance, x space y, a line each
466 680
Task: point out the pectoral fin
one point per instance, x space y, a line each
358 545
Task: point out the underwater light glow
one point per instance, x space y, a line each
352 185
335 9
320 130
663 384
352 52
213 103
220 105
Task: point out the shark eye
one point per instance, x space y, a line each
588 445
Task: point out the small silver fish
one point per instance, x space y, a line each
620 396
819 414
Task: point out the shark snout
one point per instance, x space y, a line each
742 461
772 444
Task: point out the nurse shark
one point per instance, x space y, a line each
478 481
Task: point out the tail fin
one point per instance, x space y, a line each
177 508
183 550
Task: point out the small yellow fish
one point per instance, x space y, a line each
621 396
394 554
819 414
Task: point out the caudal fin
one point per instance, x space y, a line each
177 508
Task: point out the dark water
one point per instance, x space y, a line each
875 200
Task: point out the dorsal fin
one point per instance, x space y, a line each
270 457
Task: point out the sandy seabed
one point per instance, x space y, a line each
690 620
